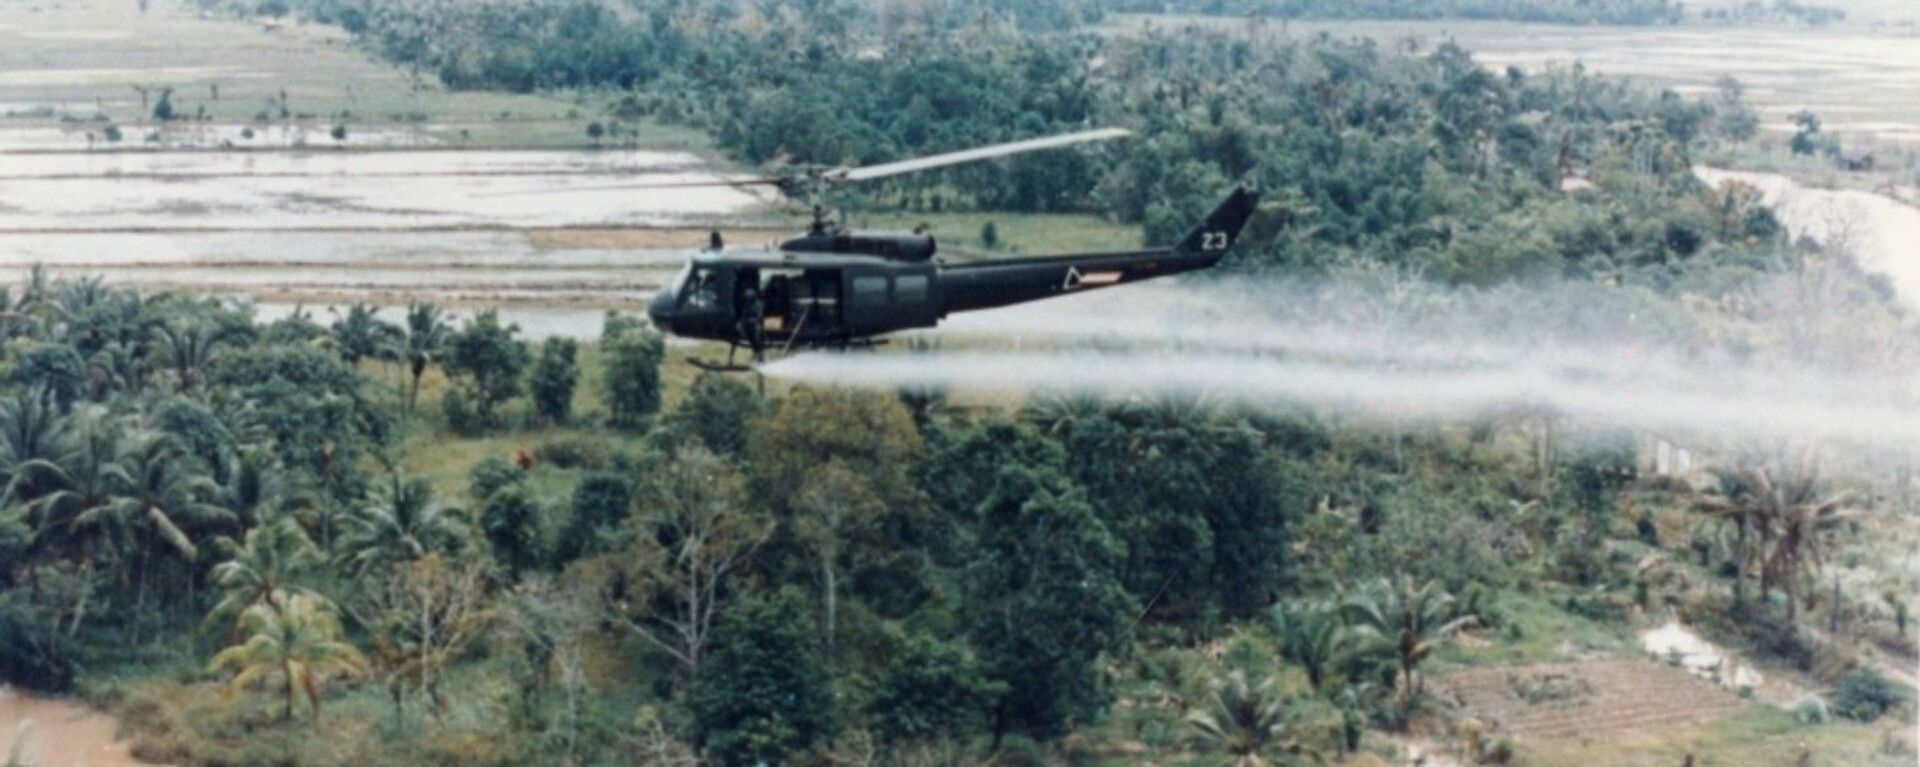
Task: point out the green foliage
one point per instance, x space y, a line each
361 334
554 377
1248 721
511 520
36 651
298 638
930 688
1202 508
1042 601
1633 12
422 340
491 360
720 411
55 368
163 108
1407 621
490 475
632 358
576 453
401 522
1313 636
600 501
765 696
311 405
1863 695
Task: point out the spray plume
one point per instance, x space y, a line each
1795 356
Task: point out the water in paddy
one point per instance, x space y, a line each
318 228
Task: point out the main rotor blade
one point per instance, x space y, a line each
737 182
975 155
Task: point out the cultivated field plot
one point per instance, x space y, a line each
1562 700
67 67
464 199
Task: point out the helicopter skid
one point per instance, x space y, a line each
719 367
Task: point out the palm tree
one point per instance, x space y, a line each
160 500
1781 527
158 488
261 568
30 429
1407 621
256 489
58 492
1247 721
116 367
361 334
403 522
1311 635
188 348
424 338
301 641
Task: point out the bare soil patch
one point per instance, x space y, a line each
1561 700
61 733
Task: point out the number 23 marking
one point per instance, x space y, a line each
1213 240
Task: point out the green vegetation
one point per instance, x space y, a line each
1635 12
471 552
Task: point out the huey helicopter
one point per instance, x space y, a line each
833 287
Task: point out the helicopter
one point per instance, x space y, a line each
833 287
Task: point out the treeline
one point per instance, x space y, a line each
1777 12
1619 12
1423 159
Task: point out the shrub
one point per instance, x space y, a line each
490 475
1864 695
511 521
576 453
1811 710
633 357
763 694
554 376
600 502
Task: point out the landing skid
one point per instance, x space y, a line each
719 367
760 356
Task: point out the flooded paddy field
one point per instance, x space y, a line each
388 227
305 173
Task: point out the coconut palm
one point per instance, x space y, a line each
30 429
187 348
1311 635
300 641
1781 525
361 334
401 523
58 492
257 490
1406 620
1248 722
116 367
263 566
160 502
423 339
159 494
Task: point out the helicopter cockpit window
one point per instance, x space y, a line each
700 289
